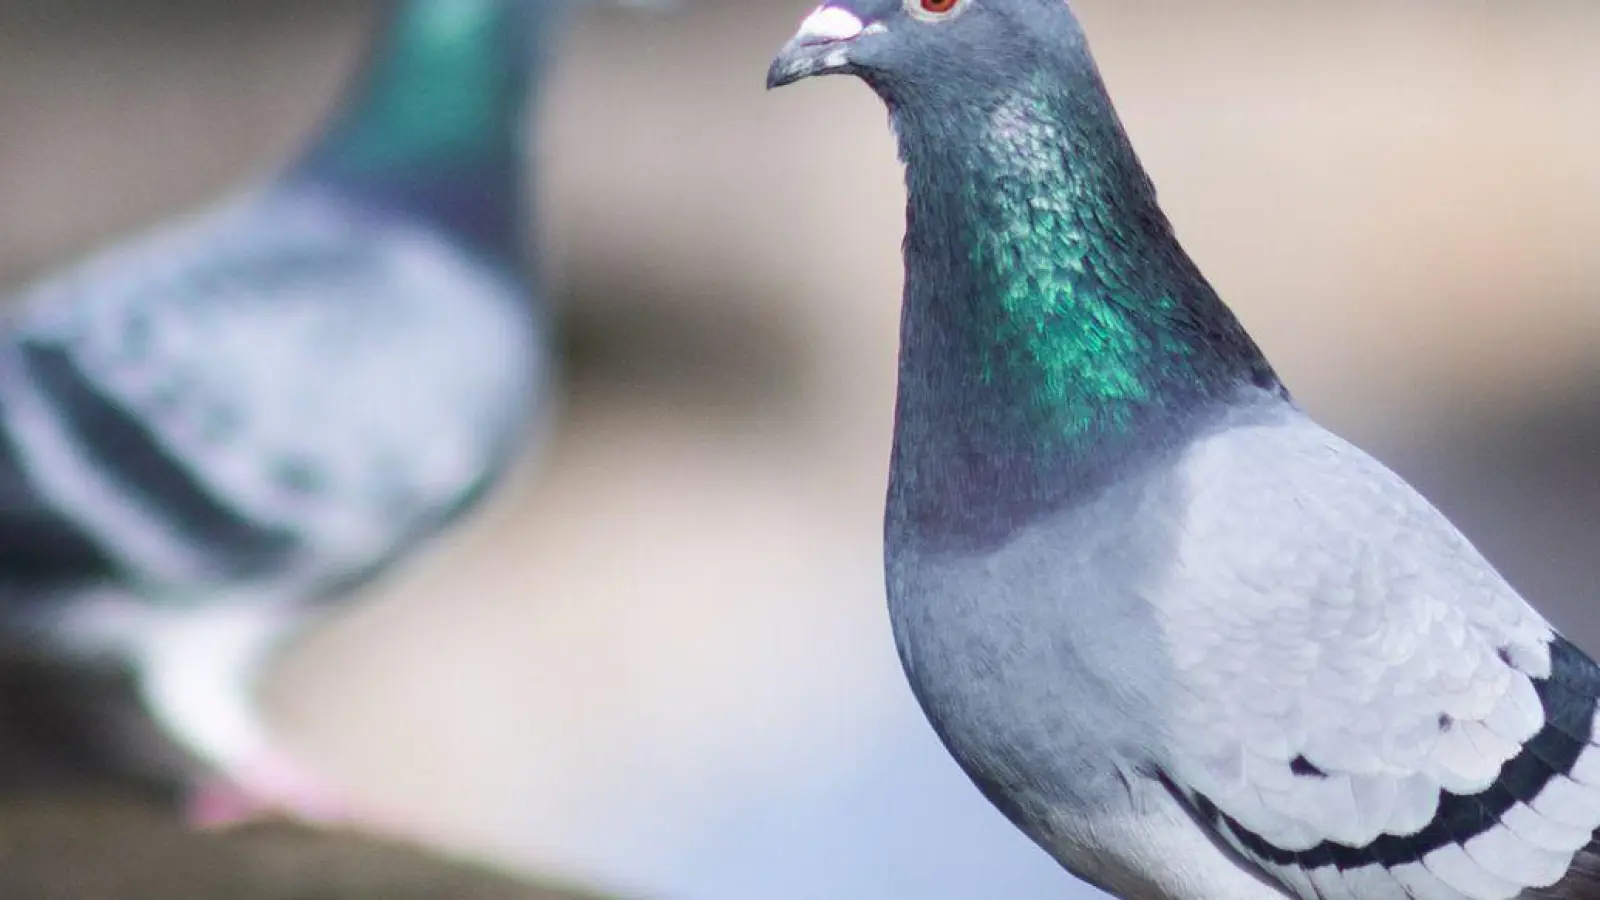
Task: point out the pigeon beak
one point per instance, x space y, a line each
820 47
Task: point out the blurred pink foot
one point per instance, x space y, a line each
274 787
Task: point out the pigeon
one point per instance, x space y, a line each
1191 643
213 433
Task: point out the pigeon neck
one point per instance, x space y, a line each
433 127
1053 331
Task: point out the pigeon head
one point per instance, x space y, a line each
925 51
1053 328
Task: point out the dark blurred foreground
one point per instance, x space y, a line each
104 847
81 820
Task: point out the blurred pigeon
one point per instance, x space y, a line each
1190 642
215 431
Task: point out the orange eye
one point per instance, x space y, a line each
934 10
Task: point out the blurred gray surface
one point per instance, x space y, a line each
107 847
661 662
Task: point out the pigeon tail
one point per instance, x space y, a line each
1582 881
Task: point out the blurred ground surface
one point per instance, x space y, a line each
103 848
662 663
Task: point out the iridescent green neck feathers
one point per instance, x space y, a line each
1053 326
1067 323
434 126
445 79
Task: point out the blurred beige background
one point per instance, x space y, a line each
661 662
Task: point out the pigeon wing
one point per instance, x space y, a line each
1366 710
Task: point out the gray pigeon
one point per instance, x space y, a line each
1191 643
210 434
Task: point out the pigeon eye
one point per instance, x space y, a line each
933 10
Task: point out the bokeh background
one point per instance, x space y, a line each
660 662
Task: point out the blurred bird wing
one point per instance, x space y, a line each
285 375
43 550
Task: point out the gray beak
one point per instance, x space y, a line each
820 47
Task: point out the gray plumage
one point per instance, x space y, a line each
1182 671
1190 642
212 432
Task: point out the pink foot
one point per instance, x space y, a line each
271 788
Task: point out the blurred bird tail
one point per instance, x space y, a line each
1582 881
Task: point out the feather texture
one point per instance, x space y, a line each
1194 645
1371 696
209 432
279 388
